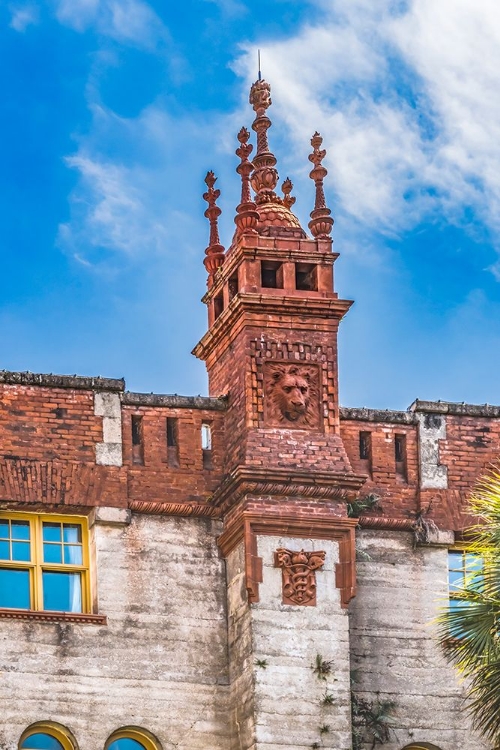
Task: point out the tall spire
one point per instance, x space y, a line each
215 251
246 216
265 177
321 222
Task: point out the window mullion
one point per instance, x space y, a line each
38 557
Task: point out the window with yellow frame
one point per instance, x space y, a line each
462 566
47 735
132 738
44 563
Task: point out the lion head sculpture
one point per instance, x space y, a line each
292 395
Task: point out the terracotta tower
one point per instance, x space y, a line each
271 347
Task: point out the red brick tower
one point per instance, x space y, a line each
272 339
272 348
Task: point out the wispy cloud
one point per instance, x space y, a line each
405 95
23 16
128 21
141 205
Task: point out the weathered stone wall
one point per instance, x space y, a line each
393 649
161 661
279 644
241 655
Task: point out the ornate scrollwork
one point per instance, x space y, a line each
299 574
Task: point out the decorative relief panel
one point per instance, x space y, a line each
299 574
291 395
316 362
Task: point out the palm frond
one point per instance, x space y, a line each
469 627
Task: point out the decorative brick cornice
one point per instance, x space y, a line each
75 617
247 525
251 480
388 524
187 509
57 483
257 309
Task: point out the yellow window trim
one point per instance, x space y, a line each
36 565
60 733
147 740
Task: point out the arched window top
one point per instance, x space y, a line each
47 735
132 738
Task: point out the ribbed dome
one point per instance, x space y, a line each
276 219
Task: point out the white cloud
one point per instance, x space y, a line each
128 21
23 16
406 98
141 206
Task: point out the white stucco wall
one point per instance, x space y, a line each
161 661
393 648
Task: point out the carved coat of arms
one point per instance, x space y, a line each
299 574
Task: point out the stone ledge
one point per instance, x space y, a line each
377 415
108 516
460 409
76 617
77 382
174 401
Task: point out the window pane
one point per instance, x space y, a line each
72 554
4 551
51 532
125 744
41 742
456 579
21 551
62 591
52 553
473 562
4 530
20 529
14 588
72 533
455 560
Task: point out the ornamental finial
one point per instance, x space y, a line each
321 222
246 215
264 177
287 187
215 251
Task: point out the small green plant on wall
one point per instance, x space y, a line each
371 721
323 669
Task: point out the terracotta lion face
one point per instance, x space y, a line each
291 394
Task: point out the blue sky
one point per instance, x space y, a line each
113 111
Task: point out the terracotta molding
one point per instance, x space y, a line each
264 481
174 509
76 617
262 305
382 522
249 525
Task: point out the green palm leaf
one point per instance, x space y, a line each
469 627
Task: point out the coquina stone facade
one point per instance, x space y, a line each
233 567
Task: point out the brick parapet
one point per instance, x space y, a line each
72 382
173 401
458 409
